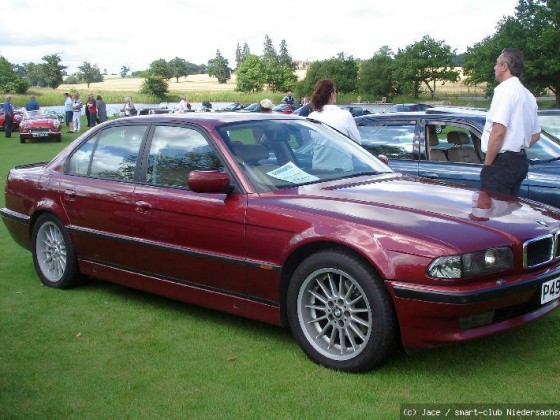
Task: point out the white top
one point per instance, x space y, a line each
68 104
183 106
338 118
514 107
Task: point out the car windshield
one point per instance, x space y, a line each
550 124
545 149
36 114
287 153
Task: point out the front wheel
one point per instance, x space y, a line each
340 312
53 254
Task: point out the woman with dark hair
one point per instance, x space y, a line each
323 99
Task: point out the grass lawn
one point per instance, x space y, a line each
105 351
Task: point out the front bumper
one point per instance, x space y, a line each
430 317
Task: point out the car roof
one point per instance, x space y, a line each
209 117
478 117
548 111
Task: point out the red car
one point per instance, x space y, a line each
39 125
286 221
18 115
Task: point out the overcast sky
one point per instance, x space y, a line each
134 33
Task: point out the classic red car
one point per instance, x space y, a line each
18 115
39 124
285 220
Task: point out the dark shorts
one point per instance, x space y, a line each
506 174
68 116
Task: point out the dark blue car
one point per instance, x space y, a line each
413 146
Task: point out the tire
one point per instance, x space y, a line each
341 313
21 140
53 254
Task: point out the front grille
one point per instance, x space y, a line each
541 250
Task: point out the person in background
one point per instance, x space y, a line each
77 113
512 126
323 101
91 106
266 105
32 104
68 113
129 109
184 106
101 109
305 107
289 98
8 109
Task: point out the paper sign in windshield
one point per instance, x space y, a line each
291 173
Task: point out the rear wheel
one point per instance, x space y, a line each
53 254
340 312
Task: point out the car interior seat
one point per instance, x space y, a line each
436 155
459 152
250 156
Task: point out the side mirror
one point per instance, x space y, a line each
383 159
209 182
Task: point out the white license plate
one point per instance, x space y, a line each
550 290
40 134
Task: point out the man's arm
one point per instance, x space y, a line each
495 142
535 138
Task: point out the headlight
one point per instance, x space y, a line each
23 125
56 123
471 264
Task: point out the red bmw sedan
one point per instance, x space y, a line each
286 221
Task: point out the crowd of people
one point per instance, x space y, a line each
95 111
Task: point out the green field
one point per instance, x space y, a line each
103 351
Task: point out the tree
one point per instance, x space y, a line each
154 85
376 75
51 71
241 54
284 58
124 71
535 30
10 81
425 63
218 67
341 69
90 73
250 75
160 69
179 68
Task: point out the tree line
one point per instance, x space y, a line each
413 70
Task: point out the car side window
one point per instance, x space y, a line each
396 141
112 154
175 152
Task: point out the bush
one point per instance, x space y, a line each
156 86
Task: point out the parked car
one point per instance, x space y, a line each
356 111
550 121
285 108
216 209
39 125
412 145
234 106
18 115
408 107
255 107
162 108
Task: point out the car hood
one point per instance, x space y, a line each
434 211
39 121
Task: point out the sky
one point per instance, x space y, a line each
133 33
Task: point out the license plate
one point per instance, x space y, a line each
550 290
40 134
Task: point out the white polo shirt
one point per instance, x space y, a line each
514 107
340 119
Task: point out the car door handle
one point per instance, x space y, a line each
143 207
70 195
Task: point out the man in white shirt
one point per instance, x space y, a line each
512 126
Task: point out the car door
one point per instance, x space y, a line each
97 193
447 165
184 236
